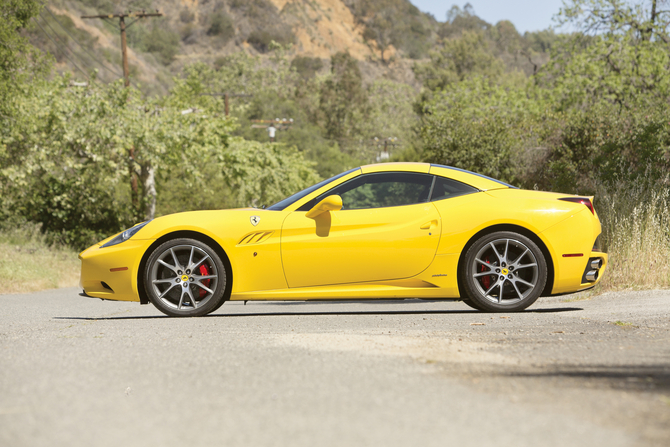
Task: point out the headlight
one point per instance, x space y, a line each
130 232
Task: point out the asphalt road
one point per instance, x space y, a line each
82 372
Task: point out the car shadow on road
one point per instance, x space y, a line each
329 313
634 377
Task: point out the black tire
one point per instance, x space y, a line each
503 272
471 304
186 278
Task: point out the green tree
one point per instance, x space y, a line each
65 161
390 119
272 91
16 53
19 60
601 145
482 127
462 20
343 100
59 166
395 22
277 172
620 54
380 28
459 58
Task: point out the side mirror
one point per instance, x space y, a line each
330 203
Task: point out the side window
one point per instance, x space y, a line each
446 188
379 190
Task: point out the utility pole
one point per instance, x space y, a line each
122 27
147 171
383 144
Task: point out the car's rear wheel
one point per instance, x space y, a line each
504 272
472 304
185 278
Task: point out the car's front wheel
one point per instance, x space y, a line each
504 272
185 278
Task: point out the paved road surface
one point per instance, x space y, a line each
83 372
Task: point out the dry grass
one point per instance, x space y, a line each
29 264
636 233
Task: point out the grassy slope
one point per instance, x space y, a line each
28 263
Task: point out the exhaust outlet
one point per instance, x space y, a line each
592 275
597 264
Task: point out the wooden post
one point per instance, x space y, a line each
124 52
122 28
147 170
225 101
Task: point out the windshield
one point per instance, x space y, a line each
299 195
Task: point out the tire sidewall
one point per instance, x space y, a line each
474 295
219 293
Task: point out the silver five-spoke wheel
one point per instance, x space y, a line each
505 272
185 277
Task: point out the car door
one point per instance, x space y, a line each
385 230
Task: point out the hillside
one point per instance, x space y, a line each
374 33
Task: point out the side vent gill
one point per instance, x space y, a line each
255 238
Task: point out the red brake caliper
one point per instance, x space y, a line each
486 280
204 271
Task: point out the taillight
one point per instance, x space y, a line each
583 200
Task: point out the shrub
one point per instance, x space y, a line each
163 42
188 33
481 127
186 16
261 39
222 26
603 143
307 66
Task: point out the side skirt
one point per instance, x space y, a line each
379 290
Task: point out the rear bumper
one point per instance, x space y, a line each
571 245
575 273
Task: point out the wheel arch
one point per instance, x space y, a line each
144 299
517 229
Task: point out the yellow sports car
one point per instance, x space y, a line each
392 230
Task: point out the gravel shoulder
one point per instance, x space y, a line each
77 371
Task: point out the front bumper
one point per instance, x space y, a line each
111 273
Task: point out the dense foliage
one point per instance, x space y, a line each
574 112
595 113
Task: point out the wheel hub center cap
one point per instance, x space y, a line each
184 278
505 272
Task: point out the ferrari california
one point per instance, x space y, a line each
383 231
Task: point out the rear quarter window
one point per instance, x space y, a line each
446 188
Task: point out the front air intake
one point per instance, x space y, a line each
255 238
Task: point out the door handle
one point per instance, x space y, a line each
429 225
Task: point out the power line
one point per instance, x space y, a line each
122 27
57 45
82 47
64 43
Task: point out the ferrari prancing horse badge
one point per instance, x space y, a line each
255 220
